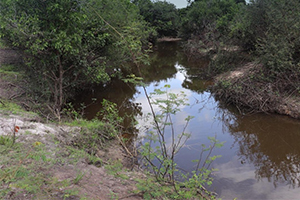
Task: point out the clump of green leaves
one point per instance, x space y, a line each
161 15
5 140
94 134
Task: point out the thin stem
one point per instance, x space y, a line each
210 151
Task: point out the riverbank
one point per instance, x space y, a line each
44 162
245 87
41 160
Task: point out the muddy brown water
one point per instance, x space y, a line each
261 155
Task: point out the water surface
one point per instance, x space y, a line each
261 155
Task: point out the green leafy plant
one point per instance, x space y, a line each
159 156
164 153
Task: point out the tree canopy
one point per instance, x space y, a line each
68 43
161 15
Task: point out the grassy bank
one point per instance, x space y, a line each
48 161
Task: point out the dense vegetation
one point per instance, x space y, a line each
69 44
161 15
276 36
233 33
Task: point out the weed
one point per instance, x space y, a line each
69 193
114 168
5 140
78 177
113 195
76 155
2 44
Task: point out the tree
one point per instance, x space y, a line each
161 15
270 29
67 43
208 18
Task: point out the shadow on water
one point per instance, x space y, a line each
270 143
266 164
261 156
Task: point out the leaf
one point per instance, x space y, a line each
17 129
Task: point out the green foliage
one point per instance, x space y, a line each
22 171
76 154
9 107
225 61
93 135
71 112
68 44
250 24
5 140
78 177
110 113
161 15
114 168
151 189
8 71
2 44
279 49
269 29
207 17
168 106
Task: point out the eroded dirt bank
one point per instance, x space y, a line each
65 172
244 88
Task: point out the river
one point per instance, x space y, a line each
260 158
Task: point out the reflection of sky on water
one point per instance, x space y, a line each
241 183
236 178
261 155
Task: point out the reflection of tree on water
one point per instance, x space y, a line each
162 63
117 92
162 67
269 143
194 75
164 60
196 84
